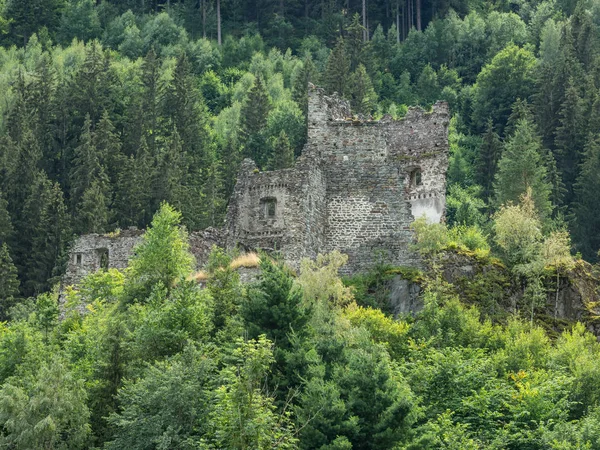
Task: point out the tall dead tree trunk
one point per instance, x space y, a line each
219 22
364 17
397 22
204 19
418 15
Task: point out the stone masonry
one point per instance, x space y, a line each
357 187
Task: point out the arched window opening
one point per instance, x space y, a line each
415 177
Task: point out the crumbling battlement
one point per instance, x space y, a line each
356 188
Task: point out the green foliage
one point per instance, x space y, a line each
521 168
162 258
47 411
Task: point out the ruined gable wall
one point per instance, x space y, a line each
87 252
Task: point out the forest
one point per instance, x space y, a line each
121 113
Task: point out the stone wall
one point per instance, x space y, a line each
92 252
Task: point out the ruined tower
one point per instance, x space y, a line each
357 187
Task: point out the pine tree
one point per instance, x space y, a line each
253 119
521 167
487 160
282 156
9 282
337 72
570 139
363 98
587 201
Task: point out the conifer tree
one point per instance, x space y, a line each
487 160
134 188
212 204
307 74
108 147
93 212
171 174
337 72
9 283
253 118
153 91
86 165
92 87
282 156
570 138
6 227
23 173
355 43
362 95
521 167
188 113
587 201
46 229
43 100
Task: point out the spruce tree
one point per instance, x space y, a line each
93 212
487 160
282 156
587 201
9 282
86 165
363 98
187 111
337 72
134 188
171 174
253 119
6 227
153 91
356 48
570 137
212 196
521 167
43 100
108 147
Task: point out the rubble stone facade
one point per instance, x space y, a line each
357 187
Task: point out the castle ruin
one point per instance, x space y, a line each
356 188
